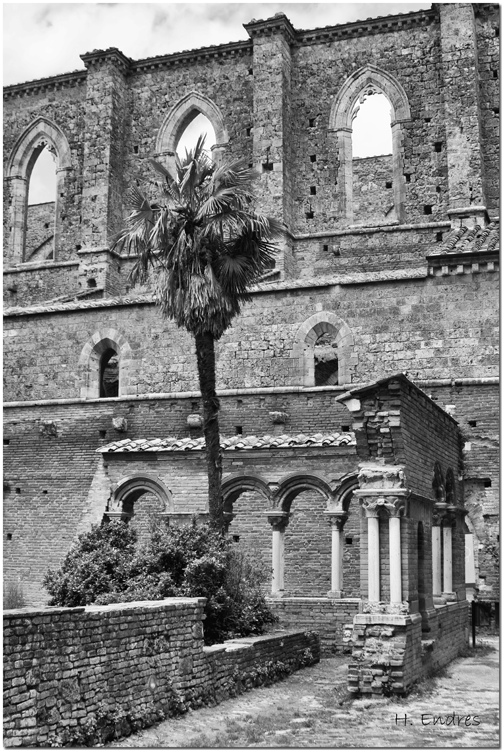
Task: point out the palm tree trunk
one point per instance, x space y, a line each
206 365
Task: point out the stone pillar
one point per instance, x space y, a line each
396 593
373 554
460 92
337 521
272 142
278 520
106 111
448 593
436 560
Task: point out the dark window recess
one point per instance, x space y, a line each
427 210
325 248
472 423
309 214
313 158
487 482
195 405
235 538
313 190
348 540
439 236
91 283
408 177
388 184
248 131
6 441
238 429
18 490
268 166
109 374
102 434
345 428
9 537
438 147
239 402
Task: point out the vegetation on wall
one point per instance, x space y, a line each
107 565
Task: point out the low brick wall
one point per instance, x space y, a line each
331 618
87 675
389 653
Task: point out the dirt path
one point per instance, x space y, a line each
312 709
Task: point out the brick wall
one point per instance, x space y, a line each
126 666
331 618
389 652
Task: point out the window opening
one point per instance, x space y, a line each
109 374
326 359
371 133
197 126
41 210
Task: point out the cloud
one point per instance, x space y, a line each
45 39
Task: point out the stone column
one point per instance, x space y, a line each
278 520
394 509
448 524
337 521
373 553
437 587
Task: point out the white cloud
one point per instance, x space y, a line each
45 39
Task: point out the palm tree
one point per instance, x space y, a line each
204 246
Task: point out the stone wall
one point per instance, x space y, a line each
40 232
372 190
39 282
102 672
389 654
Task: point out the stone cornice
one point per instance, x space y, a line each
232 49
99 57
66 80
278 24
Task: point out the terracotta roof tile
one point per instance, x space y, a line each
239 442
476 240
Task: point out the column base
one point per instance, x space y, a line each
449 596
438 600
277 594
335 594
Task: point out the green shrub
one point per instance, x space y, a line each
13 596
106 565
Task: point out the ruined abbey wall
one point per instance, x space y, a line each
406 277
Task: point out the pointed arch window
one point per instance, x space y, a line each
41 139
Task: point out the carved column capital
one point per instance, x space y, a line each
278 519
438 513
337 519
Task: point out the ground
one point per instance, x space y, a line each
313 709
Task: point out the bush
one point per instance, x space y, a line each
106 565
13 596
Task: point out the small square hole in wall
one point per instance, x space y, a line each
472 423
408 177
313 158
91 283
311 122
325 248
79 247
195 405
427 210
388 184
495 110
438 189
268 166
136 149
348 540
18 490
239 402
46 226
309 214
427 119
345 428
313 190
102 434
9 537
248 131
497 31
438 147
495 73
487 482
439 236
235 537
6 441
238 429
250 71
44 492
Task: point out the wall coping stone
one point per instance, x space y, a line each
355 229
45 266
447 382
382 619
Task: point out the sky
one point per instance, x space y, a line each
46 39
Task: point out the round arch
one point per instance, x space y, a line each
342 494
305 339
291 486
128 490
234 486
90 361
40 133
364 81
179 117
